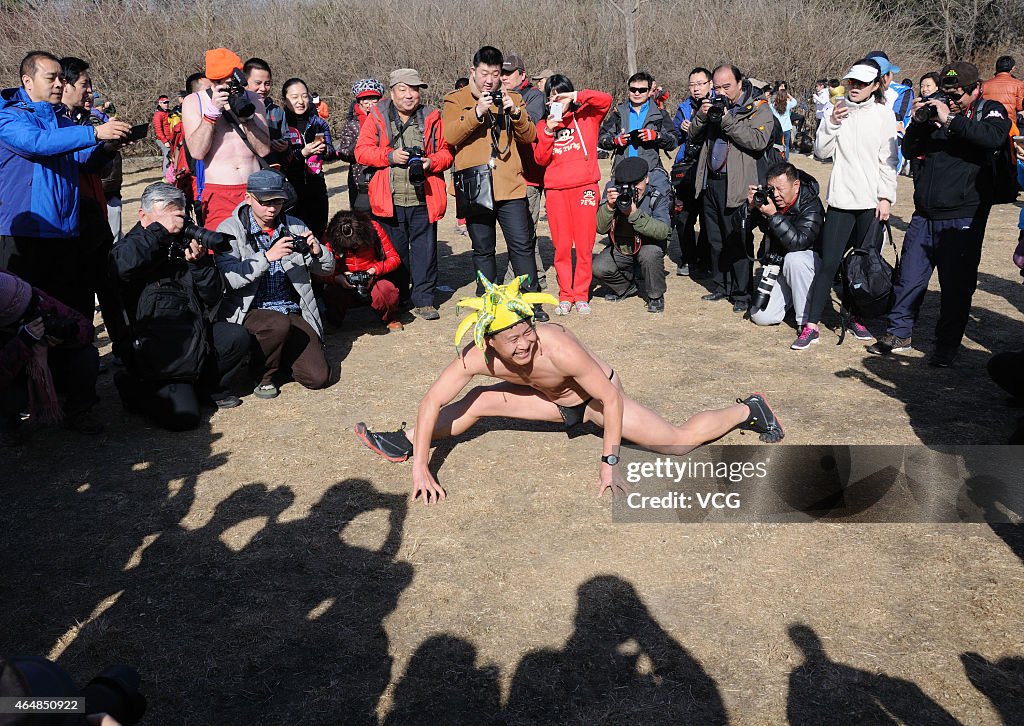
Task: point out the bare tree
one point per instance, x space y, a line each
630 12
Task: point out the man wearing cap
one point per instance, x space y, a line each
1006 89
513 78
540 80
170 290
953 195
215 136
162 130
405 141
269 278
486 138
638 235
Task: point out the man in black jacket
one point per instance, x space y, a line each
637 127
791 221
170 290
953 195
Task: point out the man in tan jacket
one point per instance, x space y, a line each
482 123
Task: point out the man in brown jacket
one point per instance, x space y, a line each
1006 89
483 132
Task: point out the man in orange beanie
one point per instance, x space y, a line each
226 128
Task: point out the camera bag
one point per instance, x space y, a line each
868 280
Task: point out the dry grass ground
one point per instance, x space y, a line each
267 568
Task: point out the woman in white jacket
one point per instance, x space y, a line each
860 137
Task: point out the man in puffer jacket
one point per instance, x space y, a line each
791 222
366 93
270 290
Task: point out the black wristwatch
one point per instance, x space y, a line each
610 460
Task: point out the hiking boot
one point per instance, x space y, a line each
428 313
394 326
583 307
84 422
539 315
762 419
889 344
392 445
859 330
564 308
656 305
266 391
808 337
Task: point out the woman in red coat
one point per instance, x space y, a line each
360 245
567 147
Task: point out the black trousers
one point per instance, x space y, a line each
175 405
516 225
615 269
732 260
74 374
841 230
693 248
415 241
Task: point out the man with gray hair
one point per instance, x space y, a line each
169 289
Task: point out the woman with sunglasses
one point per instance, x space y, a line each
860 136
566 147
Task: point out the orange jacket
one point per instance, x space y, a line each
322 110
372 151
1009 91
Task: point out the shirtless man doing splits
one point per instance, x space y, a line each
210 136
547 374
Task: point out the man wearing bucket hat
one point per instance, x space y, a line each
229 144
566 383
953 195
404 140
268 273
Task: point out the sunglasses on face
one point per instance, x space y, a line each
638 90
853 83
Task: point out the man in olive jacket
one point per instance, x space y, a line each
732 144
484 136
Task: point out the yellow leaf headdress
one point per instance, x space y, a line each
501 307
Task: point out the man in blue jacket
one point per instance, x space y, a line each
40 153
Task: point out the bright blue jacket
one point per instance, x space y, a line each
39 158
683 113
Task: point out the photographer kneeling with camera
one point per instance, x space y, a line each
364 253
268 271
789 212
170 290
637 217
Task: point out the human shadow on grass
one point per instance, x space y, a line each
824 691
1002 682
618 666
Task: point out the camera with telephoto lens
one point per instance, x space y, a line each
717 110
54 327
238 99
361 282
219 242
763 195
417 174
627 195
928 112
770 267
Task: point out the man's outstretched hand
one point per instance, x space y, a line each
611 478
424 484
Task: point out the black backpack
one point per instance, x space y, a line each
868 280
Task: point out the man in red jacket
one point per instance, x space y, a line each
404 140
162 129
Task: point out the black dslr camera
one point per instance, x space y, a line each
55 327
627 195
929 113
300 245
717 110
238 100
417 174
219 242
361 282
763 195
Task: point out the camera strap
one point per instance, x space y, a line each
497 123
230 116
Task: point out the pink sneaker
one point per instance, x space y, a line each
859 330
808 337
583 307
564 308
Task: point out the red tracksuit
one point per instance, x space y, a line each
571 189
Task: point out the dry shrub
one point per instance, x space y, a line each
140 48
